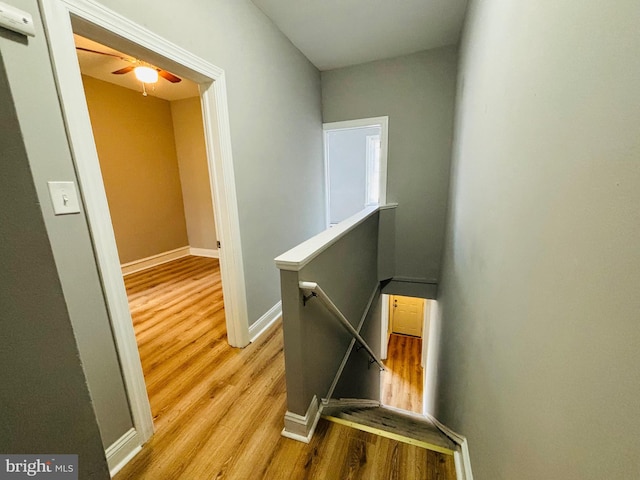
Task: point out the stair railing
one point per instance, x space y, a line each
312 289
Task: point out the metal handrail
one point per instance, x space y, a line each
316 291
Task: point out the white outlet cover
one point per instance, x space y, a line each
64 198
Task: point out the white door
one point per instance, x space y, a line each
407 315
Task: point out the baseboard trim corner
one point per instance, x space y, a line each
204 252
264 322
154 260
297 427
122 451
462 457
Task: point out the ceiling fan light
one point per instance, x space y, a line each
146 74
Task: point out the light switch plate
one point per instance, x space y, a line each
64 198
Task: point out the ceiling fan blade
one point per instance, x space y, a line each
123 70
163 73
169 76
100 53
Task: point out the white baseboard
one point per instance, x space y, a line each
462 457
154 260
204 252
301 428
463 462
123 450
264 322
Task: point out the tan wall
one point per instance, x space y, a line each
194 172
136 145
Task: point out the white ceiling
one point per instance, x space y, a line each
339 33
100 67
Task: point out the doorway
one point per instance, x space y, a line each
406 324
150 143
157 185
62 18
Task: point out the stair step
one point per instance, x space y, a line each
391 423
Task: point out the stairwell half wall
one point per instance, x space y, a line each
343 262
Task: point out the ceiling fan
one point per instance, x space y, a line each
144 72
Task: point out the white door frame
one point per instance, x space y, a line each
370 155
89 17
383 123
385 325
426 321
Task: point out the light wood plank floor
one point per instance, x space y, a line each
403 379
218 411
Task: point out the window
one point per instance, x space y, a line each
355 166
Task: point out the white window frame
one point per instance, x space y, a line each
372 148
383 123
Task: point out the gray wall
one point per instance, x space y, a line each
540 306
32 85
44 399
274 108
274 103
417 93
360 379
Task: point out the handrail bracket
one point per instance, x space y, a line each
306 298
372 361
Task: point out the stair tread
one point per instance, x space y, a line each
413 426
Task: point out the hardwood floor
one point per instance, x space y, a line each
218 411
402 382
340 452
